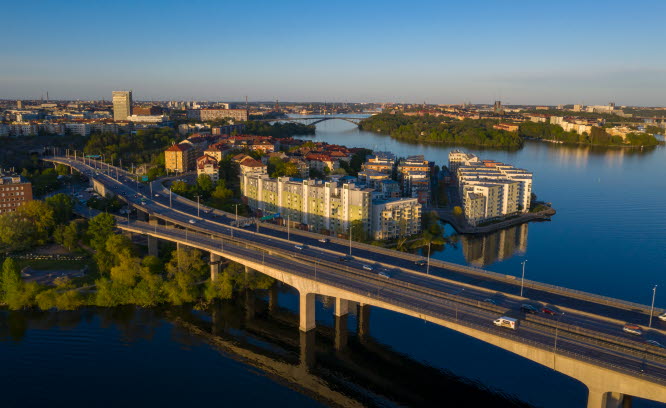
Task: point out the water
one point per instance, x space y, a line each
607 238
608 235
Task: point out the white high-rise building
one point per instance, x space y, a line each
122 105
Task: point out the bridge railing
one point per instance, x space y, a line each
545 325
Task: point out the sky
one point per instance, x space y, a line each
519 52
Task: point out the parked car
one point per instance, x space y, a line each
662 317
420 262
632 329
549 311
323 240
384 274
368 267
527 308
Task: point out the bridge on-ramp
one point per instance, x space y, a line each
586 347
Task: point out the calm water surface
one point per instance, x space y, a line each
608 238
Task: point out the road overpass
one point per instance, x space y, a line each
313 120
588 346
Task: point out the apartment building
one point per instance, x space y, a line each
122 105
14 191
381 162
179 158
207 115
490 190
395 218
209 166
414 177
321 206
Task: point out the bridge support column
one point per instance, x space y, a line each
341 332
363 329
307 349
152 246
214 266
250 309
307 311
141 216
341 307
602 399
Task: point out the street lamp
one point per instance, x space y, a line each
288 223
350 238
556 330
169 196
522 279
428 266
654 294
198 210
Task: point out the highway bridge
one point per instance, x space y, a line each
583 341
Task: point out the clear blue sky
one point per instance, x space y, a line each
533 52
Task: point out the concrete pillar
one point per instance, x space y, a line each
152 246
603 399
307 346
214 266
363 329
341 307
153 221
307 311
141 216
273 298
341 332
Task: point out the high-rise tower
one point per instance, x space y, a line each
122 105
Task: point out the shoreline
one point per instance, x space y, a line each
462 227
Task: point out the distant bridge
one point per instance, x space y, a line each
313 120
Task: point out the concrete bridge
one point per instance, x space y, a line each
313 120
613 369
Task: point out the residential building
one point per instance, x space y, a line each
491 190
209 166
380 161
509 127
414 177
14 191
82 129
122 105
318 206
147 118
179 158
207 115
250 166
395 218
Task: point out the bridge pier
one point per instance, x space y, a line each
153 246
341 307
141 216
602 399
214 266
363 329
250 309
307 311
341 332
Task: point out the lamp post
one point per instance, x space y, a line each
288 222
654 294
198 209
169 196
350 238
556 330
522 279
428 266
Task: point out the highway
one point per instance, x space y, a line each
585 328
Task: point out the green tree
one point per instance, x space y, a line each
100 228
205 184
62 206
457 211
184 270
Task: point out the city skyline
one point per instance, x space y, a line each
377 52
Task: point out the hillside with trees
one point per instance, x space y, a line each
597 137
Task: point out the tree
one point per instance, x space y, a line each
100 228
62 206
41 215
10 279
457 211
205 184
16 232
127 271
185 268
221 195
69 235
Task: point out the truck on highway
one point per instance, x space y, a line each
508 322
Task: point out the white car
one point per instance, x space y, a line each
662 317
384 274
192 221
368 267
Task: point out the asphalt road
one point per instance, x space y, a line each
585 314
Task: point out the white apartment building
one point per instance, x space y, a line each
490 190
82 129
395 218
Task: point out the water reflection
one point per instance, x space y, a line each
482 250
332 364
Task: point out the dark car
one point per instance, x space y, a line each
528 309
549 311
420 262
345 258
